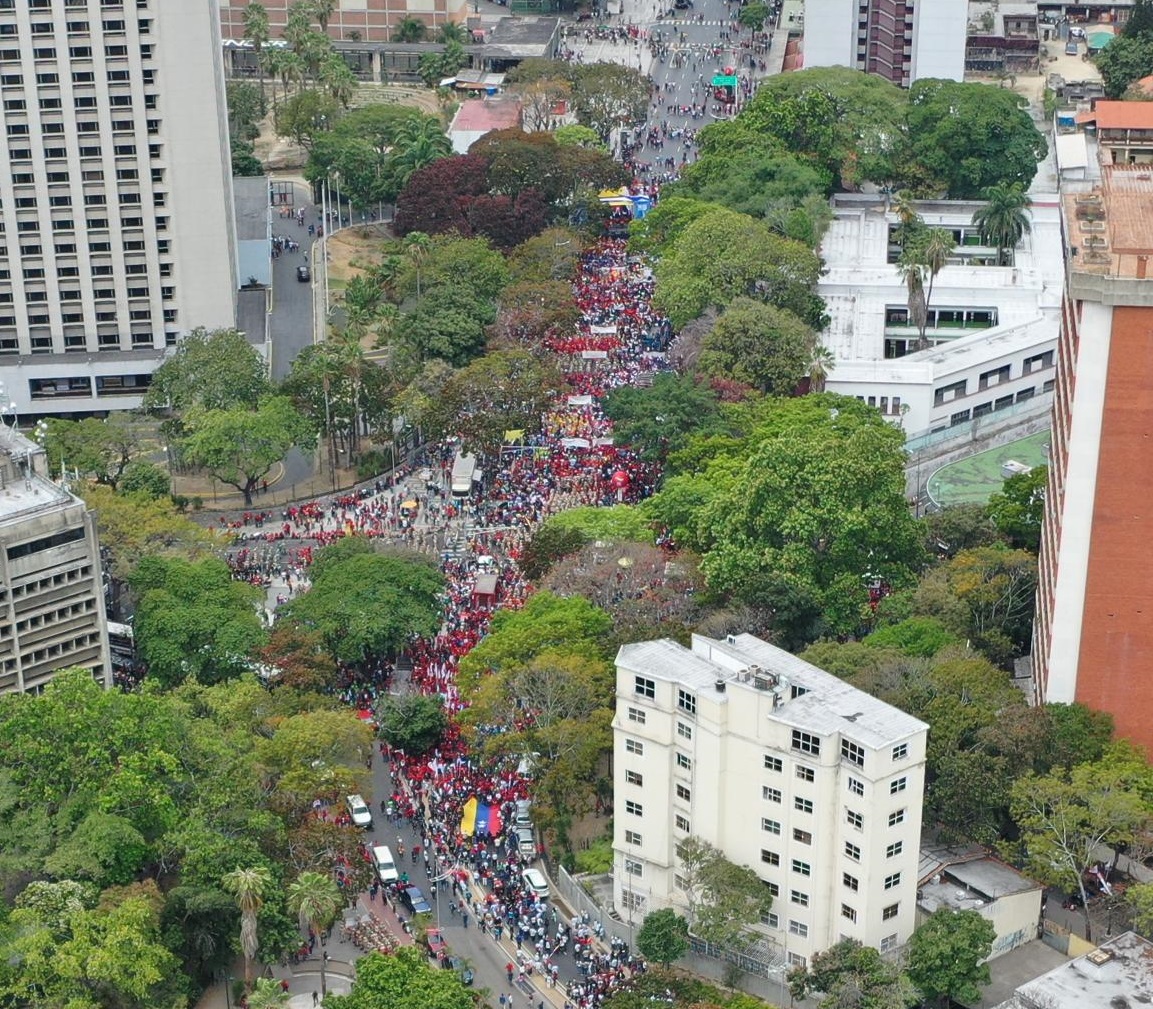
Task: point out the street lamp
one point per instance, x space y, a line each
323 976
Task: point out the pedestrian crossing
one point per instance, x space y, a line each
695 24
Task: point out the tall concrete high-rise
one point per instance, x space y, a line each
899 40
116 220
1093 631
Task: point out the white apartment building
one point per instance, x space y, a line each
116 219
992 329
816 785
51 588
899 40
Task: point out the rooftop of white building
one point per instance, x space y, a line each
828 704
22 489
965 877
1118 973
859 283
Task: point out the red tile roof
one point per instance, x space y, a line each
1120 115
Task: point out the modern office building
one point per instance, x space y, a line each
116 217
899 40
352 20
785 768
991 329
1093 631
51 588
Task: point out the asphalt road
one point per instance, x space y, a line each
291 322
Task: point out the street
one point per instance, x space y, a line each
291 318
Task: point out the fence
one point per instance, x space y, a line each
935 441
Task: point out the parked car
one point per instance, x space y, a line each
303 274
464 972
1071 48
535 883
415 901
358 811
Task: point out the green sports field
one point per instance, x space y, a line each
974 479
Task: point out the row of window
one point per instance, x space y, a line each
806 742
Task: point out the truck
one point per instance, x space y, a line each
463 474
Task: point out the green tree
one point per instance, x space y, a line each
212 370
849 974
507 390
449 322
548 545
723 898
723 255
249 886
97 449
921 636
1124 61
947 955
239 446
193 619
607 95
1018 508
146 479
659 419
1004 219
923 259
402 980
258 33
413 723
267 994
663 936
367 604
1067 816
753 16
245 110
305 116
409 29
821 362
972 136
316 899
758 345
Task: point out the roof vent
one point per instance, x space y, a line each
720 685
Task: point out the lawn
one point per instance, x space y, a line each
976 478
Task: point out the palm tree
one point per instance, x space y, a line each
267 994
913 272
316 899
909 221
409 29
417 249
1004 219
323 10
285 64
821 362
338 78
248 886
450 31
933 254
256 30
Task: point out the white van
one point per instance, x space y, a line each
359 811
384 864
535 883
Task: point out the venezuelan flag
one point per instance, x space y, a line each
495 826
482 815
468 818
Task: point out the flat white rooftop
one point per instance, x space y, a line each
1118 973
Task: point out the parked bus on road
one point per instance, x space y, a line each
463 474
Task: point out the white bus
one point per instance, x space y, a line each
463 474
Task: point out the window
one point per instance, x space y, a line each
893 881
773 763
890 912
684 794
771 826
686 702
802 836
773 888
635 746
771 794
889 943
856 787
948 393
798 898
897 817
684 761
682 823
633 901
633 867
644 687
805 773
852 851
803 805
897 785
633 778
848 912
894 849
853 753
995 376
802 868
1038 362
636 715
632 837
851 882
771 919
770 857
634 808
854 819
806 742
798 928
900 751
